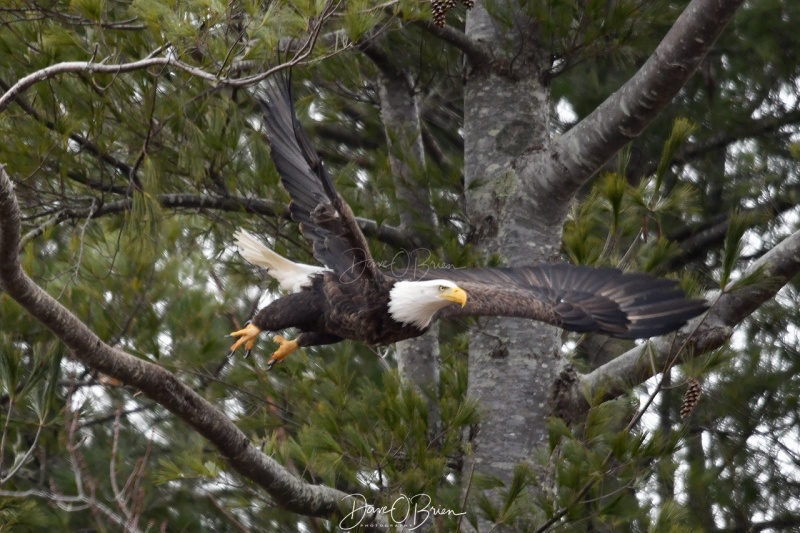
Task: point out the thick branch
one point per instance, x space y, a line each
579 153
774 269
153 380
478 55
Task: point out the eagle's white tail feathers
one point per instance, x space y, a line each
291 276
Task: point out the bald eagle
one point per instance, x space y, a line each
350 297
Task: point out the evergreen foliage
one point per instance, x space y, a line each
131 185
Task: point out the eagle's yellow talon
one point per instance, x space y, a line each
247 337
281 353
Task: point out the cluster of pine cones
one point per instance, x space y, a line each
441 7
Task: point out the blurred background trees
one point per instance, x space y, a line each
131 185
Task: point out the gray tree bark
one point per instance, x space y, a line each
520 186
511 362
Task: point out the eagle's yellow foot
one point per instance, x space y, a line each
247 337
280 354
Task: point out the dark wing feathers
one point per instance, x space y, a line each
576 298
325 218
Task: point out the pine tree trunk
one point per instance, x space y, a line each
512 362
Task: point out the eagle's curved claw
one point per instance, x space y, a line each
247 337
281 353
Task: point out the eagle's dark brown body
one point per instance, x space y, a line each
336 307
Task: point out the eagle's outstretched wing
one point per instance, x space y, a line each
576 298
324 217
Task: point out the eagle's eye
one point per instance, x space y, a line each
442 288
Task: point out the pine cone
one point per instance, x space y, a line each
439 10
691 397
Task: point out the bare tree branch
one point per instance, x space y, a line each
237 204
68 503
170 59
153 380
80 66
478 55
578 154
703 334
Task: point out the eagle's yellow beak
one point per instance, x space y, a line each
456 294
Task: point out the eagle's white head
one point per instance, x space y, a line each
414 303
